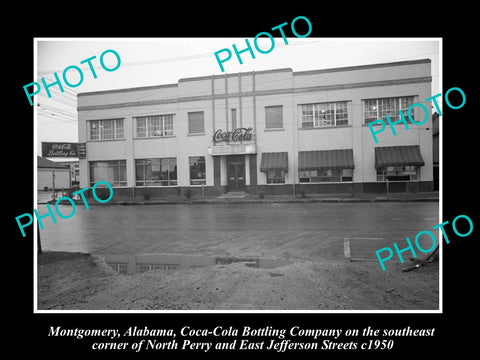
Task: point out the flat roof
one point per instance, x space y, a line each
304 72
45 163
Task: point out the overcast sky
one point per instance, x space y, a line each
146 62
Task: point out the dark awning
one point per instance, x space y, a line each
325 159
273 161
398 156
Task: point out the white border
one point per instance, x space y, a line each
279 312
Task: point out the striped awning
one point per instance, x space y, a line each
273 161
398 156
325 159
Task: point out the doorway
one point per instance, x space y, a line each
236 172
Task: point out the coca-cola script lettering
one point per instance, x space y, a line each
239 134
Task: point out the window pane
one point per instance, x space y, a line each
195 122
154 126
172 168
156 172
405 103
307 115
276 176
114 172
139 171
398 173
326 175
94 130
371 110
167 125
106 130
390 107
141 127
347 175
341 113
197 170
119 129
325 114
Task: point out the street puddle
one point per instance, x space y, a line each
131 264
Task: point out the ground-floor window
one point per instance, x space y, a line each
156 172
326 175
197 170
121 268
147 267
114 172
398 173
276 176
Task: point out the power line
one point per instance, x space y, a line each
56 110
210 54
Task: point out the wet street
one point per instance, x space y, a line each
313 231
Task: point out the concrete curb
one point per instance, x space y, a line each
249 201
270 201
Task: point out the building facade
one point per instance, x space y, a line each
271 132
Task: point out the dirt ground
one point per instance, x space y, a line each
78 281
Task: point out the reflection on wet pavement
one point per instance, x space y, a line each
130 264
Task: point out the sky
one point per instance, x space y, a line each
157 61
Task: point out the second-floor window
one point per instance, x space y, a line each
379 109
196 122
106 129
324 114
274 117
154 126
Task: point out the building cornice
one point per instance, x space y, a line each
258 93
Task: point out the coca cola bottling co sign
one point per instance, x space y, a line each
239 134
50 149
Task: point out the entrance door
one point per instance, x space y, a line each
236 173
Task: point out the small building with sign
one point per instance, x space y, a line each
66 153
272 132
51 175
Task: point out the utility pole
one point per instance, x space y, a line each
53 180
39 243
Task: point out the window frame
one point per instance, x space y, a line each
165 126
197 181
266 119
203 123
120 267
413 175
275 176
382 111
118 132
119 163
339 174
158 182
333 109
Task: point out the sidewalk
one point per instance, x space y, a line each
365 197
396 197
45 197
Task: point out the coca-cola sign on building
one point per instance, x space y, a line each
240 134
